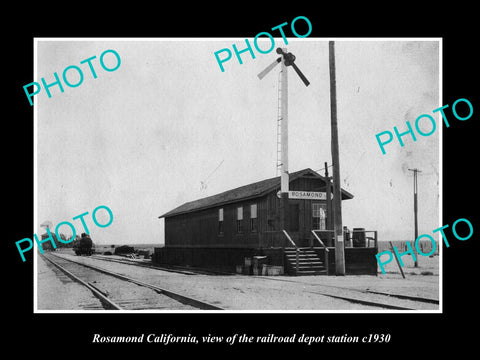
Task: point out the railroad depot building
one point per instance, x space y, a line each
220 231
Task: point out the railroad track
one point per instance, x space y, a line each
365 297
382 301
174 269
368 297
119 292
371 298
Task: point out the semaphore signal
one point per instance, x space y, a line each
286 59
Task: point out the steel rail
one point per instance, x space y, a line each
178 297
360 291
106 302
407 297
172 268
363 301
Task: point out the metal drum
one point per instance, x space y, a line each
358 237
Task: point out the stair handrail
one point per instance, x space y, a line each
290 239
326 249
296 250
319 240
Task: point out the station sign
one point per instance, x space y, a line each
306 195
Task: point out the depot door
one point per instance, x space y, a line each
296 222
294 218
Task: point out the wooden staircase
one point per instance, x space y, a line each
308 262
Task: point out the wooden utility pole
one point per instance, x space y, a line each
337 192
415 211
329 203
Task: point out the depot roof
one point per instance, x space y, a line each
245 192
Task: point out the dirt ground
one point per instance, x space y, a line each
55 291
257 293
426 266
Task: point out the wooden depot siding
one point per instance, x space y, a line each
200 229
192 235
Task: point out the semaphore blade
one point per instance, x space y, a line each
297 70
269 68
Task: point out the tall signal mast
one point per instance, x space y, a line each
286 59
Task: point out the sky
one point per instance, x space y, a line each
144 138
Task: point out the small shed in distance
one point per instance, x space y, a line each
219 231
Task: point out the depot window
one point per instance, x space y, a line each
319 216
240 219
220 221
253 217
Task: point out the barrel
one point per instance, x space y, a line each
358 237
